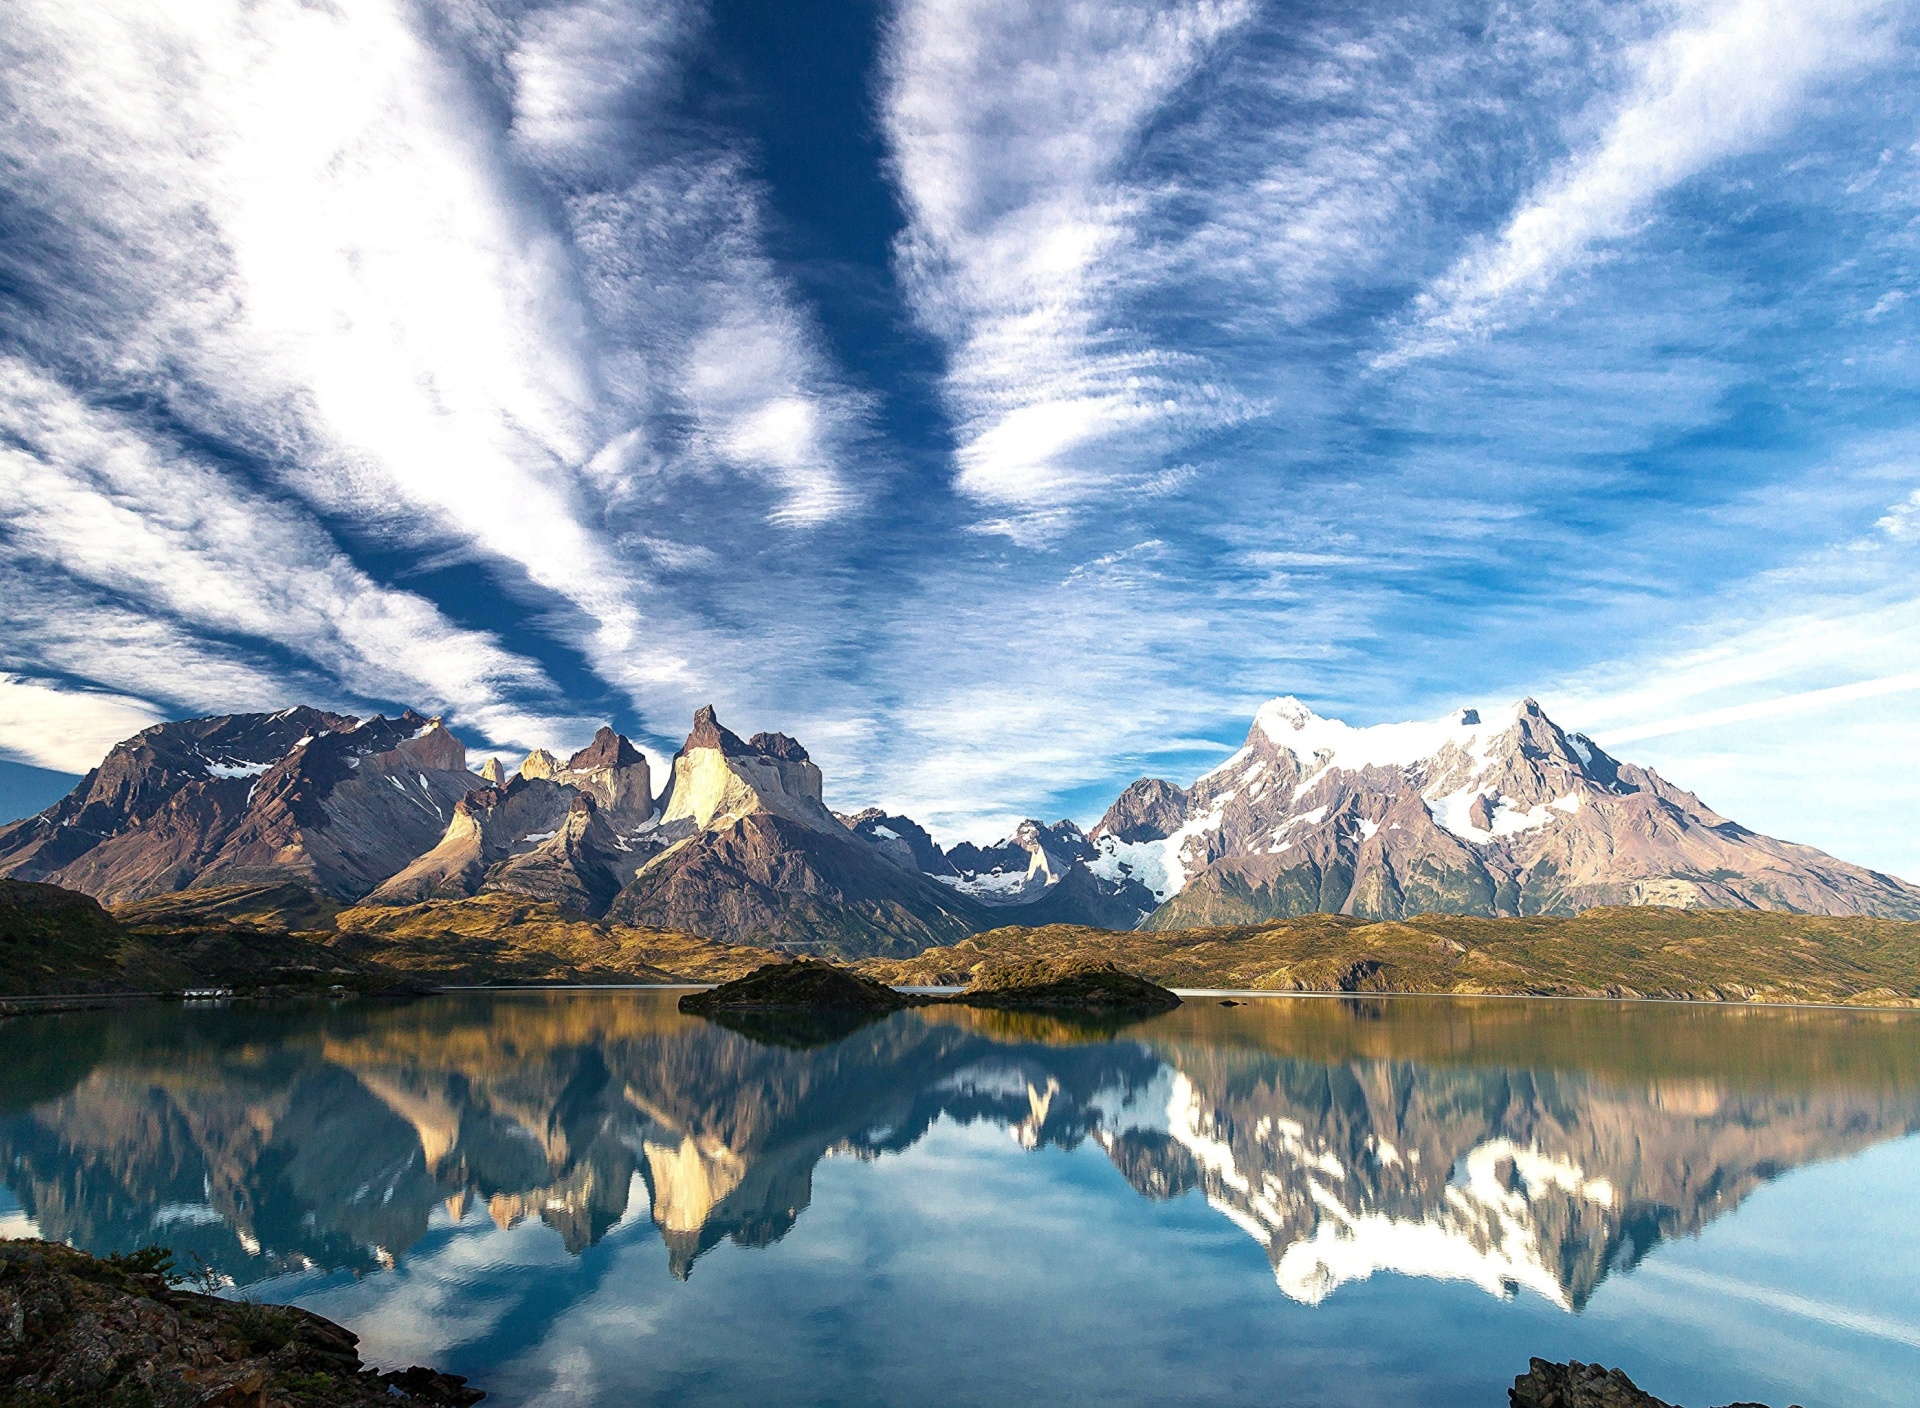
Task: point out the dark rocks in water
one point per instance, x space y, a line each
76 1329
1577 1385
805 985
1077 983
1231 1002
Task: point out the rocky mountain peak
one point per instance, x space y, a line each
709 732
412 742
778 745
608 750
493 772
719 778
901 840
539 764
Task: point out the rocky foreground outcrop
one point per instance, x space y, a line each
1577 1385
78 1330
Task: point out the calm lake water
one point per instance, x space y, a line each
586 1198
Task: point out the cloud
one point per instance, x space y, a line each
1804 701
69 730
1712 87
443 296
96 501
1010 127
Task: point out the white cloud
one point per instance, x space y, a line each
1722 82
1010 126
1786 702
317 236
90 498
63 728
1804 701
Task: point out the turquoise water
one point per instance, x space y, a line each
586 1198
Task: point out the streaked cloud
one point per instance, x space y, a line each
66 729
1010 128
94 500
1725 79
996 411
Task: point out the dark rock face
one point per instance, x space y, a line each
1072 983
1146 811
709 732
778 745
804 985
608 750
75 1329
1577 1385
301 794
577 868
902 840
766 879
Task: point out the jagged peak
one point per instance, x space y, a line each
1286 712
778 745
539 763
709 732
608 750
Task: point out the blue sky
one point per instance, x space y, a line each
1004 399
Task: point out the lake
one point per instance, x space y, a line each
587 1198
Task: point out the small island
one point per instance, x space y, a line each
1060 984
804 985
1070 983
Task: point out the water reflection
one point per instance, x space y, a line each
1505 1145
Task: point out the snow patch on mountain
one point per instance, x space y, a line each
989 885
1454 813
232 770
1159 865
1328 745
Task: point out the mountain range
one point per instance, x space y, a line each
1496 814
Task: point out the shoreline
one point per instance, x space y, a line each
54 1003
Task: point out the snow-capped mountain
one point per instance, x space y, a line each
1039 875
1495 813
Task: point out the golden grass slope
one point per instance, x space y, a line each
1700 955
501 938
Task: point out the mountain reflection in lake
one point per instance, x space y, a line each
530 1189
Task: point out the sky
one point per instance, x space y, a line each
1004 399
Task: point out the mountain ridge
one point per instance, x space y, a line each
1501 813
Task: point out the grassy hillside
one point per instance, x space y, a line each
56 941
1709 955
287 905
510 939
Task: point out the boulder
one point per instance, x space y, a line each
1577 1385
